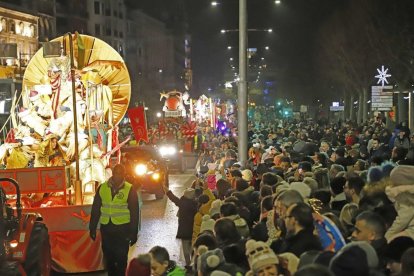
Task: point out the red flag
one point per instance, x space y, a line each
138 123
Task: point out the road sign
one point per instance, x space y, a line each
382 98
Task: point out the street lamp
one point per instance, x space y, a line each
277 2
214 3
229 47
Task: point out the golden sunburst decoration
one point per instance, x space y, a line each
95 61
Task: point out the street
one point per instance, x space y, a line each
159 221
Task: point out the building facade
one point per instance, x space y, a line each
107 21
72 16
151 59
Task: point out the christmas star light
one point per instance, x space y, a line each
382 75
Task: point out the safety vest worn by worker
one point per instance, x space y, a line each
116 209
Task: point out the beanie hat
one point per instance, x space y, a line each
247 175
307 258
292 261
210 260
324 258
351 260
311 182
215 207
397 247
302 188
375 174
259 254
402 175
189 193
281 187
337 185
207 224
372 257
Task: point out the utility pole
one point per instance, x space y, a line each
242 89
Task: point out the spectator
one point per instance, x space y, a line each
402 139
370 227
401 192
347 216
262 259
230 241
338 196
353 188
394 252
334 170
229 210
259 230
407 263
187 208
140 265
213 261
162 265
299 226
314 270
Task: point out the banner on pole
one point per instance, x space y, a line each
138 123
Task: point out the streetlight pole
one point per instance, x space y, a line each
242 89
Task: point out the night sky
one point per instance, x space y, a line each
291 55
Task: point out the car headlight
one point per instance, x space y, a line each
141 169
168 150
156 176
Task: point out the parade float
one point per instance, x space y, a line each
63 133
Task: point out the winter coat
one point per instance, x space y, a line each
241 225
187 208
404 142
403 198
174 270
297 244
203 210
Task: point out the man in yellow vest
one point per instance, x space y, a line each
115 207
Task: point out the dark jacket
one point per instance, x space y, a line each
303 241
130 228
187 208
259 231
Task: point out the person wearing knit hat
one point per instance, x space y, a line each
289 261
213 261
261 258
394 252
302 188
351 260
207 224
215 209
247 175
401 193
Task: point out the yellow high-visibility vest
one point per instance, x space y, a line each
116 209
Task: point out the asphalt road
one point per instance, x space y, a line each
159 224
159 221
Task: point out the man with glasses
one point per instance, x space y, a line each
299 225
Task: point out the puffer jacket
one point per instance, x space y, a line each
403 198
203 210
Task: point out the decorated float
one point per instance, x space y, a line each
63 133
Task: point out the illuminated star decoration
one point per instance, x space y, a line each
382 75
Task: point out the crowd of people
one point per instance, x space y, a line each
312 199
